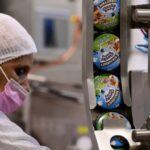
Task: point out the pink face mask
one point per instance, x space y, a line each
13 95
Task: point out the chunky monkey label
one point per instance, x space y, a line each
106 14
111 95
108 57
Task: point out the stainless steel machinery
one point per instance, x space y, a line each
135 85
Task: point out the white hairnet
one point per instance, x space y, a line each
15 41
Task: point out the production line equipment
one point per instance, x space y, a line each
117 101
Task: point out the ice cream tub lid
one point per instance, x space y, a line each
106 14
119 142
106 52
110 115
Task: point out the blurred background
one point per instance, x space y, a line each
55 112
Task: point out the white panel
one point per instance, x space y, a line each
138 60
136 2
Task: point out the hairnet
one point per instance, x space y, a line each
15 41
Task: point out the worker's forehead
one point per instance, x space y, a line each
21 61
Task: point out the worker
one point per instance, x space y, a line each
16 58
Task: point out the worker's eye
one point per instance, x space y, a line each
21 72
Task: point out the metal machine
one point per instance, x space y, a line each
135 85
